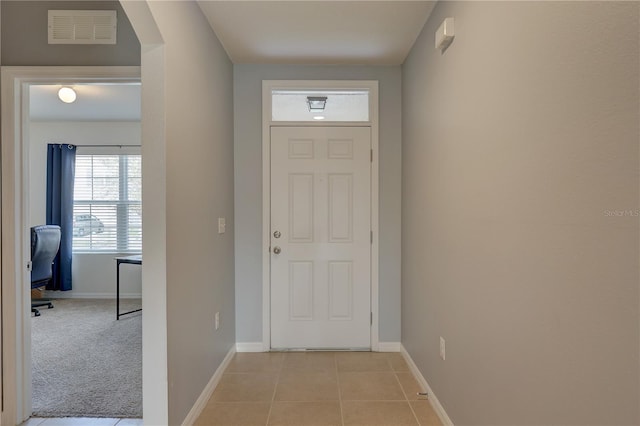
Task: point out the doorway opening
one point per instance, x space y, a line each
99 137
320 215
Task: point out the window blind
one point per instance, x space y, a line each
107 206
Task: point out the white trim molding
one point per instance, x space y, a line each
389 346
202 400
267 88
73 295
16 294
433 399
250 347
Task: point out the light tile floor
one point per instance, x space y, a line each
317 388
81 421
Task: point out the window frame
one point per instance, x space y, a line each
122 206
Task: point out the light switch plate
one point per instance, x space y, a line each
222 225
445 34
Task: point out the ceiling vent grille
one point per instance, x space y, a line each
82 26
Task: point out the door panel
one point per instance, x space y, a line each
320 237
301 212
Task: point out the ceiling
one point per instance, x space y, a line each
343 32
317 32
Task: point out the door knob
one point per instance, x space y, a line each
276 250
277 234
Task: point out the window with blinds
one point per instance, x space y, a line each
107 208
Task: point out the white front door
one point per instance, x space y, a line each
320 237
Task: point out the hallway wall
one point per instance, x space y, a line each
520 212
195 161
248 179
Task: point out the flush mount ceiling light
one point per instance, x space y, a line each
316 103
67 95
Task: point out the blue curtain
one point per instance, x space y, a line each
61 165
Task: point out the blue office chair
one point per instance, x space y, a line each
45 242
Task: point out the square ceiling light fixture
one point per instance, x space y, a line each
316 103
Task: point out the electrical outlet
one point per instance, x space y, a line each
217 320
442 349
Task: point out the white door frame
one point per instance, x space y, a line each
267 87
14 279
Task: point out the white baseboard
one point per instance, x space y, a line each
389 346
249 347
73 295
444 417
202 400
259 347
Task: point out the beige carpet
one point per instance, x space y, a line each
85 363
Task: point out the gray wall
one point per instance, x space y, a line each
198 122
520 212
24 36
248 178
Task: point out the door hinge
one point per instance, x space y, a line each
371 233
372 156
371 318
29 266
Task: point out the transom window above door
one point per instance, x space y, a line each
292 105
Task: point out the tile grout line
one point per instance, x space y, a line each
395 374
335 364
275 388
407 396
404 392
414 412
